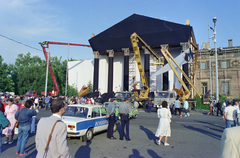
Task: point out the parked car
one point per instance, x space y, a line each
121 95
134 111
84 120
30 94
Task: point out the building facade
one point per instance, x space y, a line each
228 71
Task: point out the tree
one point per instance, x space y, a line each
29 71
90 86
6 82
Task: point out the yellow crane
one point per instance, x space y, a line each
185 94
143 97
160 61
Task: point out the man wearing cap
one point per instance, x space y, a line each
124 110
111 118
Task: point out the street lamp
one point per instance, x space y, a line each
216 65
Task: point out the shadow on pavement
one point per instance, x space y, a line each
211 124
84 151
213 135
135 154
153 154
32 155
150 134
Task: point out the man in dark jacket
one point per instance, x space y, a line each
218 105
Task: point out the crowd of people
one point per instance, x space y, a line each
21 112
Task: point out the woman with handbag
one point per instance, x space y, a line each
10 111
164 129
24 117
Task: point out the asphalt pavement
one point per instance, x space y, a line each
196 136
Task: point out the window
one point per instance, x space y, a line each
79 112
103 111
225 88
203 66
204 87
224 64
95 112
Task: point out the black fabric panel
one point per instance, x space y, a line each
126 74
165 78
147 68
110 74
95 74
185 69
165 81
153 31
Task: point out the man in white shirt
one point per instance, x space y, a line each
230 115
58 144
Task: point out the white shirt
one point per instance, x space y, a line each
177 104
36 101
231 113
223 105
57 116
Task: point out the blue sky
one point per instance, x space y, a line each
33 21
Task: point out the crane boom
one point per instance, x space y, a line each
135 39
186 94
45 45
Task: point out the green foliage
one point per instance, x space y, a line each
90 86
200 104
6 81
72 90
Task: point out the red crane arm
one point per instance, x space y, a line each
56 90
70 44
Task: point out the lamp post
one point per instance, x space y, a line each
216 65
210 65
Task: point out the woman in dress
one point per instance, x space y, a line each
163 130
10 111
24 121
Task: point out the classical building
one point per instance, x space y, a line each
228 71
114 67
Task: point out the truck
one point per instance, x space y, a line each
161 96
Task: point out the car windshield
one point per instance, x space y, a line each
29 93
121 95
162 95
80 112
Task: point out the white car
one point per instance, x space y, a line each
85 120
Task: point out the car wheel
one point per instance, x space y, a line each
136 115
89 135
115 127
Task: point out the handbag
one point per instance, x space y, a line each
50 137
17 124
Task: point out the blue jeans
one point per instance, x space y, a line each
23 133
46 106
230 123
33 124
0 143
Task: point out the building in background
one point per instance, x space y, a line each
228 71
